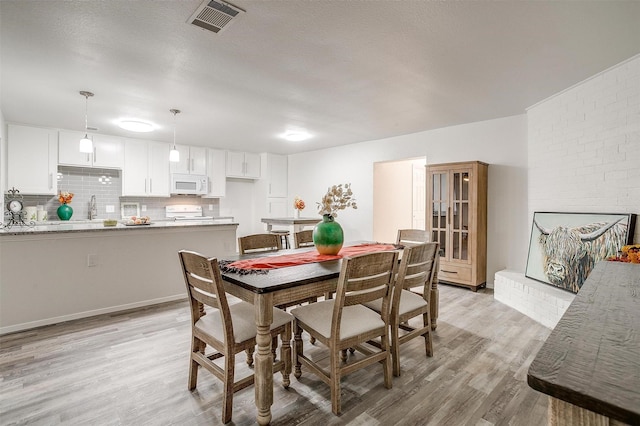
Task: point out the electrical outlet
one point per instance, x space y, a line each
143 208
210 207
110 208
92 260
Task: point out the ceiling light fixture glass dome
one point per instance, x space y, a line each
138 126
296 136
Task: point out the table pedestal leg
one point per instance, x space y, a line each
263 358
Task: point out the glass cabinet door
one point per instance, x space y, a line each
459 220
440 206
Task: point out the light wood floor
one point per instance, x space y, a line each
131 369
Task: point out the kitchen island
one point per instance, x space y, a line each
64 271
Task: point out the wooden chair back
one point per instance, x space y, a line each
205 288
417 269
412 236
304 238
364 278
259 243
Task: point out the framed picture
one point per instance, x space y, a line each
130 209
564 247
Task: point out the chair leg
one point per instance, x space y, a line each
249 353
335 383
428 341
395 350
386 363
227 403
285 355
196 346
274 346
297 339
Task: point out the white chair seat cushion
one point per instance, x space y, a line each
409 302
356 319
243 319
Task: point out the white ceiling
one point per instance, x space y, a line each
345 71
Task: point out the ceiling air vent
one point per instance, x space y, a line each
215 15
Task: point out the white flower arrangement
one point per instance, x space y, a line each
337 198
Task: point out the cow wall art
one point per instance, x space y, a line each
564 247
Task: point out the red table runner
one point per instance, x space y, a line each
282 261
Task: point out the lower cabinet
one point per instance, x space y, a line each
33 160
146 169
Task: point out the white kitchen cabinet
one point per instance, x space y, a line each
146 169
277 207
108 151
193 160
245 165
276 172
32 155
216 172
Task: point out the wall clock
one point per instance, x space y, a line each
15 210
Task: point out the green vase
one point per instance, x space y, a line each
64 212
328 236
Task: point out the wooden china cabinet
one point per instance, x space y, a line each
457 219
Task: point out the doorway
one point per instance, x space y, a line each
399 196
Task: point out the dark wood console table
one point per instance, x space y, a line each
590 364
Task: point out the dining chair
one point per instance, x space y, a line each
344 322
304 238
417 268
412 236
258 243
226 329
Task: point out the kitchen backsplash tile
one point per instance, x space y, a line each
106 185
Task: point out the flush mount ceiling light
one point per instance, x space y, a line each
296 136
138 126
174 154
86 144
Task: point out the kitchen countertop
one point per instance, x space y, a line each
97 225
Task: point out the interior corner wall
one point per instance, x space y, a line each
3 154
584 146
501 142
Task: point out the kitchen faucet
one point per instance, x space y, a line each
93 208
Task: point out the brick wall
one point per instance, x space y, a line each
584 146
583 156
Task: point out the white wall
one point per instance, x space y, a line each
502 143
392 199
584 146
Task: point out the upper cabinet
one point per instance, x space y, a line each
216 172
32 160
244 165
108 151
457 219
193 160
146 169
276 171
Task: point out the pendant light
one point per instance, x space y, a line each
174 154
86 144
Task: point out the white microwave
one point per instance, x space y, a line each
189 184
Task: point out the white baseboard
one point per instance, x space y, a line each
70 317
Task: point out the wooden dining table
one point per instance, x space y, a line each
276 287
266 290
